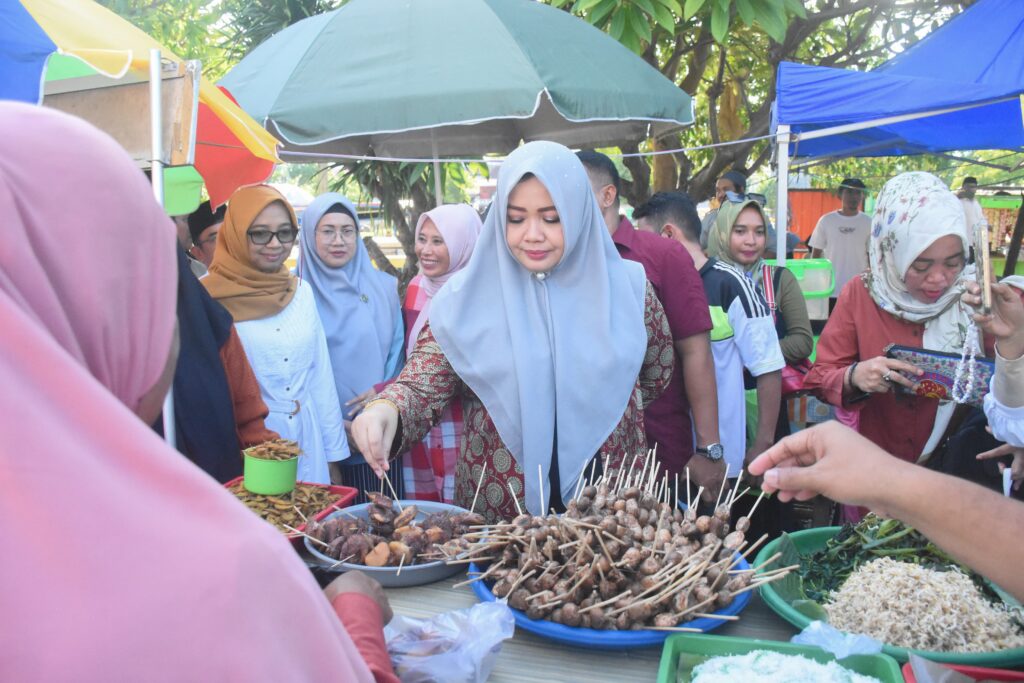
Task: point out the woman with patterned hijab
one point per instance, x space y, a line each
909 296
553 342
276 317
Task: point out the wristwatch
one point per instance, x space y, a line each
713 452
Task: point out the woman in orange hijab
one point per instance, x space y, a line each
276 318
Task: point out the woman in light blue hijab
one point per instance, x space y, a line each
553 341
359 309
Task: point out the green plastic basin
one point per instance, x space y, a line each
811 540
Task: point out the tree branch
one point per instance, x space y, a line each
713 93
378 257
637 190
698 60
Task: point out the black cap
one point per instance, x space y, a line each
738 180
852 184
202 218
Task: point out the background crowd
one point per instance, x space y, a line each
551 340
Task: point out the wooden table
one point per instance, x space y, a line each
529 658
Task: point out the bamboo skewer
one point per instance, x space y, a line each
688 506
341 561
383 479
732 496
472 508
515 498
300 533
540 491
721 489
754 506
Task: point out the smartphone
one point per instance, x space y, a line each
983 266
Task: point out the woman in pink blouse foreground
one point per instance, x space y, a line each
121 559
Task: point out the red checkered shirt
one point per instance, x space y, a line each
428 469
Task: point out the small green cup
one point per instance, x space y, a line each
269 477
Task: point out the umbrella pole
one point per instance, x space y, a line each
782 187
157 174
438 189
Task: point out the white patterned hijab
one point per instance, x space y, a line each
913 211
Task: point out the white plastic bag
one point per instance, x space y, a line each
454 647
841 644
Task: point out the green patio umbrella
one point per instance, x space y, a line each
419 78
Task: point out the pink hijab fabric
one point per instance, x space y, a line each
459 225
121 559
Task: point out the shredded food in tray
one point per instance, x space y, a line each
765 666
907 605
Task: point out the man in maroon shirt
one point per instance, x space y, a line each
678 286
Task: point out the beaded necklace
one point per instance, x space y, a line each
966 368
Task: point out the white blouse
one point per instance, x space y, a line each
1004 404
288 353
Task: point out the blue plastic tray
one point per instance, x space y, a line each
609 640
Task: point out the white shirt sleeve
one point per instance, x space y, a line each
325 394
757 340
1003 405
819 238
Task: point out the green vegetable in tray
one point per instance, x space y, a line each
827 569
824 571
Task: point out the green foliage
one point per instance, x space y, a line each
183 26
251 22
634 22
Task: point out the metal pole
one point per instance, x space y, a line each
890 120
157 173
438 188
782 197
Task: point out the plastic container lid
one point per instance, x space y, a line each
816 276
882 667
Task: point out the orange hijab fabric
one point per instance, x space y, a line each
248 293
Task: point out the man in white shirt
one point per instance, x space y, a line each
842 237
972 209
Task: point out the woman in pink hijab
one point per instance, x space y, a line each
445 238
121 559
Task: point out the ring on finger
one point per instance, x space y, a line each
887 377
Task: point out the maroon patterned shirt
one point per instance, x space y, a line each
678 286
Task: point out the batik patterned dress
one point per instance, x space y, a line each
428 384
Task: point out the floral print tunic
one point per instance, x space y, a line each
428 383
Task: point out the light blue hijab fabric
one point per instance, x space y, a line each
568 346
358 307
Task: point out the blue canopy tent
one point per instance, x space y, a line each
957 89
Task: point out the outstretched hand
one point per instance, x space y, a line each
1005 322
831 460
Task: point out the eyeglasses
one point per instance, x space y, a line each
328 235
261 237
